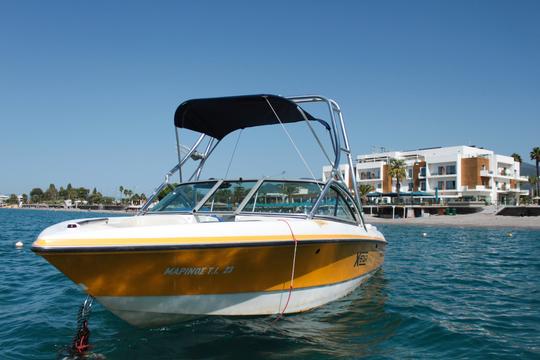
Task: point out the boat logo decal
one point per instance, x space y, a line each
361 259
197 271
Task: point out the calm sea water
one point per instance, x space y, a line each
456 293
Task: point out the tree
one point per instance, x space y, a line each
71 192
238 194
535 155
363 190
397 170
82 193
136 199
36 195
516 157
51 193
107 200
24 198
62 193
13 199
121 189
533 180
95 197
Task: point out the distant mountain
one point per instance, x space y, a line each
527 169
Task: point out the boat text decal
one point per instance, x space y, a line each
361 259
211 270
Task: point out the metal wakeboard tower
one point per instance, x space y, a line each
215 118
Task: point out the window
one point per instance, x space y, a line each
423 171
440 185
410 188
284 197
422 186
440 170
409 172
228 196
334 205
451 169
184 197
451 185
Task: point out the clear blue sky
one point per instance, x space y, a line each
88 88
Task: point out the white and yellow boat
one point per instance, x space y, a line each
225 247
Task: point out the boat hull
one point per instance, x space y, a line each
150 311
154 287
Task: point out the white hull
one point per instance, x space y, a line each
150 311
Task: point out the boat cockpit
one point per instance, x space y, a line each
224 200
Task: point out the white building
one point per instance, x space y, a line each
455 173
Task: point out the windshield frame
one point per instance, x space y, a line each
325 187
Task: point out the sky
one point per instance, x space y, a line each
88 89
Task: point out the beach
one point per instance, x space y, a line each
469 220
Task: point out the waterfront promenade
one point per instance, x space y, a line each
468 220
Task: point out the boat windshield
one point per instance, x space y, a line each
228 196
272 196
290 197
184 197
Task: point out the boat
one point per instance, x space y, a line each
227 247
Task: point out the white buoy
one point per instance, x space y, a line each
424 234
510 234
19 244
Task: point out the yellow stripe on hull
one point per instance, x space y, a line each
224 270
96 242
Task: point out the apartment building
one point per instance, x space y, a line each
455 173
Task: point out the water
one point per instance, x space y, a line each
457 293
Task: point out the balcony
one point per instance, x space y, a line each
368 180
486 173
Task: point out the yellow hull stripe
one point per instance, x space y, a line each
194 240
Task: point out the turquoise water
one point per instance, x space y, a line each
456 293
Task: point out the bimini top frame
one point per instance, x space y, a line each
215 118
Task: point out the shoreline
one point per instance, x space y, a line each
127 212
477 220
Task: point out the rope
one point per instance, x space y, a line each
232 155
292 141
80 343
291 287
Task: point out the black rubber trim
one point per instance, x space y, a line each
165 247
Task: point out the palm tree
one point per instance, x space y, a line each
533 180
363 190
121 188
398 171
516 157
535 155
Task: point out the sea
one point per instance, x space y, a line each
443 293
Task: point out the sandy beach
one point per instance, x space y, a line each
470 220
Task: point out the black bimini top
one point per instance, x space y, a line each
218 117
